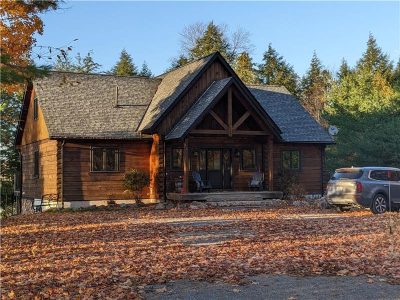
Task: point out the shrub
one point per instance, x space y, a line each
135 181
288 183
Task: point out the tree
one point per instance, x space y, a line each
374 60
135 181
396 77
244 68
275 70
344 70
20 21
125 65
78 64
145 71
315 85
200 39
10 107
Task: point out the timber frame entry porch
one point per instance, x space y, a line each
225 137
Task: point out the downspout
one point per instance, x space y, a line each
62 174
165 172
20 182
322 170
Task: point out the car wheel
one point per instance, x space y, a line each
379 204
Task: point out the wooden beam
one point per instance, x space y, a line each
241 120
209 131
230 111
219 120
270 163
250 132
185 187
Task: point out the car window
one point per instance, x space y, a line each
379 175
394 175
347 174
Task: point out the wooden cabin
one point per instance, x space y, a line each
80 133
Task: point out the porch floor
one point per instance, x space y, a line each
225 196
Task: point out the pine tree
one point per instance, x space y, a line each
374 60
79 64
145 71
396 77
125 65
275 70
212 40
315 85
344 70
244 68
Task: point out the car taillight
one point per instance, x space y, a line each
359 187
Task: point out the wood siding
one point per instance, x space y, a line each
46 182
310 165
34 130
82 184
216 71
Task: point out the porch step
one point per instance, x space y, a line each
243 203
226 196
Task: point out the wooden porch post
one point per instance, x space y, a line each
270 163
185 187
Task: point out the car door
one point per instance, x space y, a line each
395 186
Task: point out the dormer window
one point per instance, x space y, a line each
35 108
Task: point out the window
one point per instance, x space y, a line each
291 160
36 164
213 160
177 158
35 108
394 175
379 175
248 159
347 174
104 159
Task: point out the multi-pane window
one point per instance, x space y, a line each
104 159
177 158
36 164
291 160
249 159
35 108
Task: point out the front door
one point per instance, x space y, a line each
214 165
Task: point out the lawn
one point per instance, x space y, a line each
117 253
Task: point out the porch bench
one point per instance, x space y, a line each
47 200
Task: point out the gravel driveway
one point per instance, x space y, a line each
280 287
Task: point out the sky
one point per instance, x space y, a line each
150 31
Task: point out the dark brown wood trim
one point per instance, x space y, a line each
230 112
249 132
241 120
185 166
209 131
218 119
270 163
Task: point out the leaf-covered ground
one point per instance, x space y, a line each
117 253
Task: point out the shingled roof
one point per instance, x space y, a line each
173 85
198 109
79 105
296 124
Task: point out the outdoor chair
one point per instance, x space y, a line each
201 185
257 181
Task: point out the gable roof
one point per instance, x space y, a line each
173 85
79 105
296 124
199 109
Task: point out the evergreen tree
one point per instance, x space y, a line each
396 77
374 60
244 68
276 71
179 62
315 85
145 71
344 70
211 41
125 65
78 64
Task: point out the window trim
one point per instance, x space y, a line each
35 109
36 164
255 159
118 160
172 167
291 169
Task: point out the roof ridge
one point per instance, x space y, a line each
102 74
188 63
